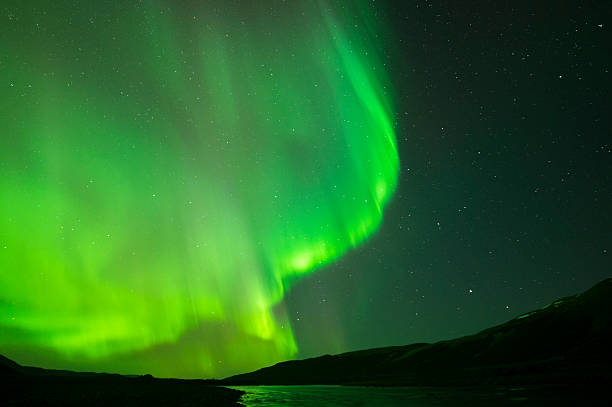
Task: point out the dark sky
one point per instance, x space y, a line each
505 194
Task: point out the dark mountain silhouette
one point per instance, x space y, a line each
32 386
566 342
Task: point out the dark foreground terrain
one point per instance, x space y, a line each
567 342
24 386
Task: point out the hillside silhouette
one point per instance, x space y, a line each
32 386
565 342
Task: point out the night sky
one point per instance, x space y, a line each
503 125
200 188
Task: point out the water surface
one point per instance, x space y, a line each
336 396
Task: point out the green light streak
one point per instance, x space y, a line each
166 175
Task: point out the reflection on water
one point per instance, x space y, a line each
321 396
336 396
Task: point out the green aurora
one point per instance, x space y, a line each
167 173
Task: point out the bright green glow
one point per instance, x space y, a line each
166 175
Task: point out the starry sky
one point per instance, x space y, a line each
503 129
200 188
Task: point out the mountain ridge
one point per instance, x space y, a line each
565 340
33 386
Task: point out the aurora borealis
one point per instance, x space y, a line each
169 170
